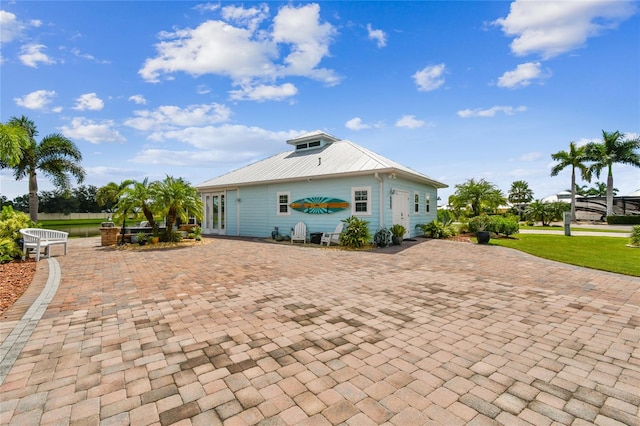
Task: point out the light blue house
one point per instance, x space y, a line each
322 181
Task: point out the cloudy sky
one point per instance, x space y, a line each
455 90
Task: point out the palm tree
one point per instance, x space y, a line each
138 196
56 156
600 190
13 139
520 194
108 196
573 158
177 199
478 195
614 148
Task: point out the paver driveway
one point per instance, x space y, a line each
241 332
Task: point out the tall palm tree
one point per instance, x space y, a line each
614 148
520 194
56 156
574 158
177 199
13 139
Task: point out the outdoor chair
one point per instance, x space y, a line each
299 233
332 237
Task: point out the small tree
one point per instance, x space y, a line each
546 212
176 199
520 194
356 233
478 196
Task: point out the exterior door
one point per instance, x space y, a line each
214 213
400 209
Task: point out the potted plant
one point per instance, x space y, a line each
397 232
382 237
480 224
155 237
142 238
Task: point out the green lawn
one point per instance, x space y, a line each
573 228
604 253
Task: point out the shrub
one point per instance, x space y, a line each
10 224
437 229
623 220
505 225
398 230
356 233
445 216
382 237
479 223
635 236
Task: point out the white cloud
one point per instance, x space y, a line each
10 27
521 76
169 117
264 92
91 131
249 18
551 28
378 35
491 112
89 101
217 144
429 78
32 55
36 100
356 124
250 56
138 99
410 122
531 156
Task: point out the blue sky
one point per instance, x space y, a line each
455 90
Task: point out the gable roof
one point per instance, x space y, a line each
334 159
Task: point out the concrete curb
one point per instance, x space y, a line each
19 336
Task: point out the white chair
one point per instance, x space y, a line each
299 233
332 237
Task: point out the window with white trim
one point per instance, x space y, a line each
283 204
427 203
361 200
416 203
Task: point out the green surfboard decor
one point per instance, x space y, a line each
319 205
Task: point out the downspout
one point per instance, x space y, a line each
380 200
238 211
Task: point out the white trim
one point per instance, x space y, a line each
278 204
353 200
416 203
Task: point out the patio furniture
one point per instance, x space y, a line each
37 239
332 237
299 233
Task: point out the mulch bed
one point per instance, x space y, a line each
15 277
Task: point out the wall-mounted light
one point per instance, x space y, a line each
393 191
237 200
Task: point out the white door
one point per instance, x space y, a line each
214 213
400 209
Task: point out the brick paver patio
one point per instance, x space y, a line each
240 332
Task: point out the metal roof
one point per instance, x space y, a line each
340 157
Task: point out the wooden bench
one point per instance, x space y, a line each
37 239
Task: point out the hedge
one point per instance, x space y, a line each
623 220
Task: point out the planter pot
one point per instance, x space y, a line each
483 237
134 239
155 240
396 240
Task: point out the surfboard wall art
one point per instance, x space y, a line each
319 205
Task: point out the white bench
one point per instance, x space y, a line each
38 239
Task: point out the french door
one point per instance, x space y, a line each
214 213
